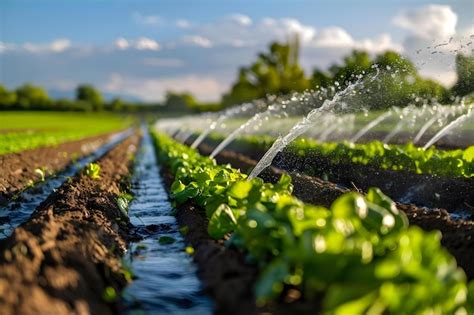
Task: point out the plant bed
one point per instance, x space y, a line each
23 169
67 257
458 235
426 190
355 256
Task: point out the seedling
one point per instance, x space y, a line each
41 173
93 170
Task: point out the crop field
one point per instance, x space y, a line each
233 158
328 225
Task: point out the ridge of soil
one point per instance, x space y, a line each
68 253
18 169
457 235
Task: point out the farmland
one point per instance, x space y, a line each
310 232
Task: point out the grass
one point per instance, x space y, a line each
28 130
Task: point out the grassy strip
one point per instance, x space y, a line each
452 163
359 256
29 130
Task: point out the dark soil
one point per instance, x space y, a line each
65 256
424 190
18 169
227 278
457 235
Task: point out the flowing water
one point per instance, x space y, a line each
17 212
304 124
216 123
369 126
166 281
455 123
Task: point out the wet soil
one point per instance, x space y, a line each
457 235
225 274
68 254
18 169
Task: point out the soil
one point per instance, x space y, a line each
62 260
226 277
18 169
457 235
424 190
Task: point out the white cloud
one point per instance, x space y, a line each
163 62
142 43
197 40
333 37
205 88
56 46
428 22
183 23
4 47
121 43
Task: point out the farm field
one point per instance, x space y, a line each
166 208
230 158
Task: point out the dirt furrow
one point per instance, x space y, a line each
66 258
18 169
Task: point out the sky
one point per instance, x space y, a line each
141 49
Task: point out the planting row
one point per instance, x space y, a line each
453 163
358 256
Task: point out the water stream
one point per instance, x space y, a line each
455 123
15 213
166 281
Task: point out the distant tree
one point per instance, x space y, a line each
274 72
7 98
465 72
32 97
179 102
358 62
87 93
116 105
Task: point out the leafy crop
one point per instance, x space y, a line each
93 170
408 157
359 256
29 130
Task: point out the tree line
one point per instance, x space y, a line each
276 72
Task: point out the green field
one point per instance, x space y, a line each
28 130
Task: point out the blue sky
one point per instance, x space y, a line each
143 48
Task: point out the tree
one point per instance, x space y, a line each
7 98
465 72
179 102
32 97
87 93
274 72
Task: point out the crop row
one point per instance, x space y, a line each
358 256
453 163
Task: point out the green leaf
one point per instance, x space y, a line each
240 189
221 222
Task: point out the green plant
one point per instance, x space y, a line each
359 256
93 170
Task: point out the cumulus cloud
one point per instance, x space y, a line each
56 46
428 22
203 87
197 40
142 43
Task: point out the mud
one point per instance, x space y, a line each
18 169
67 255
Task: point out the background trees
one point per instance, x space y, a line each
277 72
